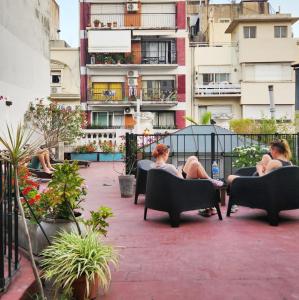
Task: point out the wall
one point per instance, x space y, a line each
54 21
24 60
71 72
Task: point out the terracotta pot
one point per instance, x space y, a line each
109 25
80 289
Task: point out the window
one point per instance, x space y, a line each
280 31
154 52
249 32
217 111
212 78
107 119
155 90
164 119
56 77
107 91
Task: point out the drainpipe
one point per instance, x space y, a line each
296 68
272 104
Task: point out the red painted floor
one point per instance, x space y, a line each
241 257
23 279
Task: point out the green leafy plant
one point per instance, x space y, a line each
72 256
65 192
107 147
248 156
86 148
97 221
206 118
55 122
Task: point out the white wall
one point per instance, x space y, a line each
24 59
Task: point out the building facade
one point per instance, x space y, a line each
238 51
133 64
65 74
24 60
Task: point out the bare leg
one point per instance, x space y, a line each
41 158
47 160
231 178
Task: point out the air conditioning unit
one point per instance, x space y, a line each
132 73
132 81
56 90
129 111
132 7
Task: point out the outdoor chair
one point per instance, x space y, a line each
169 193
273 192
142 168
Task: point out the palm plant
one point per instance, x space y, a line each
16 152
72 257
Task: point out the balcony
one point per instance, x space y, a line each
135 57
137 21
217 89
162 96
111 96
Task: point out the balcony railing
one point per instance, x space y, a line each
135 57
157 95
116 95
143 20
217 89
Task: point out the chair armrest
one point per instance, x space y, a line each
248 171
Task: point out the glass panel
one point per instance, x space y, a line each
100 119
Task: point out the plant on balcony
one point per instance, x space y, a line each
129 59
96 23
107 147
119 58
88 148
109 60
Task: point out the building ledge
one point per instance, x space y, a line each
126 66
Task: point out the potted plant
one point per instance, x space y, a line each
108 152
96 23
109 24
85 152
62 201
114 24
85 260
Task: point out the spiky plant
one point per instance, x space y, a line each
206 118
71 256
18 148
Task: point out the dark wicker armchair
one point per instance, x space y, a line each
166 192
142 168
273 192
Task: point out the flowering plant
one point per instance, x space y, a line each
29 191
248 156
107 147
86 148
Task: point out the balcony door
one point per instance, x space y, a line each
155 90
154 52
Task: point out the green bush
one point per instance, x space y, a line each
248 156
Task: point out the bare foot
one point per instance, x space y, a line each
48 171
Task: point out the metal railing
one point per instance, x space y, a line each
164 95
210 147
141 20
217 89
116 95
9 254
135 57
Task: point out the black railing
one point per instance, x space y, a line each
211 147
9 254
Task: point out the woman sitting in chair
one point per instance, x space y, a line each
161 154
43 155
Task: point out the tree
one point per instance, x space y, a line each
55 123
17 150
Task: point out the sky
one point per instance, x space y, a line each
69 16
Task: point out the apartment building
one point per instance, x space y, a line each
133 65
24 59
65 74
238 50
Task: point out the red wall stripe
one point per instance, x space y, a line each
181 15
180 119
181 52
181 88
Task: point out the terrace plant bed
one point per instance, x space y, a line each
97 156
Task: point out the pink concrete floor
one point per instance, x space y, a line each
241 257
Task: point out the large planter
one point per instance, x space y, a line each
117 156
126 185
80 288
93 156
51 227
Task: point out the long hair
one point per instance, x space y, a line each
283 147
